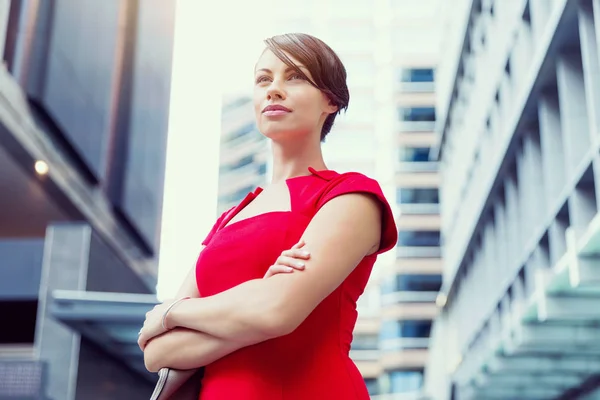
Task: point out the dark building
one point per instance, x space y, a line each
84 100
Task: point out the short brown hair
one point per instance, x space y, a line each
326 68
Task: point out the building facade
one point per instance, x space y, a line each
84 99
518 122
243 154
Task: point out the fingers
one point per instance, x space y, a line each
278 269
299 254
290 262
299 245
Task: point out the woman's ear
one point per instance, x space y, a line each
331 107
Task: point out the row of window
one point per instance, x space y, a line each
417 196
411 283
414 154
416 75
416 114
393 329
419 238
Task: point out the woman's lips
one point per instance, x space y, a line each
275 113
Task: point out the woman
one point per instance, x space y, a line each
287 336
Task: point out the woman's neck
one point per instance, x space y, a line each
293 160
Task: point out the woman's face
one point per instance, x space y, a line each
285 104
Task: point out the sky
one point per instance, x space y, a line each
214 53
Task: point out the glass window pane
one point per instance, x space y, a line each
415 329
417 196
406 381
411 283
365 342
417 114
419 283
419 238
414 154
416 75
372 386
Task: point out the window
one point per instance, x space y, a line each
418 196
419 238
414 114
416 75
414 154
406 381
405 329
365 342
372 386
412 283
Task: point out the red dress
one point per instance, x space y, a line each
312 362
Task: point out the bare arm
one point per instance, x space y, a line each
340 235
185 348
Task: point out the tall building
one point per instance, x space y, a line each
518 117
84 99
243 152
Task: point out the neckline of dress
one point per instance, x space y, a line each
325 174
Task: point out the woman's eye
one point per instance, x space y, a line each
261 79
296 76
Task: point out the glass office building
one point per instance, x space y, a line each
518 122
243 152
84 100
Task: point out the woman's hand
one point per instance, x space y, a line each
153 323
289 260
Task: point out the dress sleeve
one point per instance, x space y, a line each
215 227
358 183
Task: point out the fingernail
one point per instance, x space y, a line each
289 269
300 264
305 253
